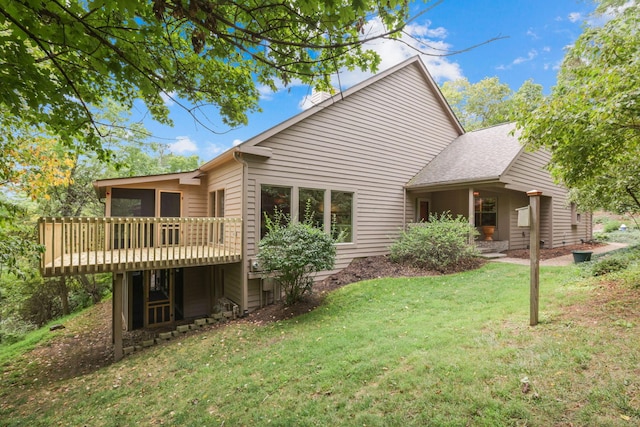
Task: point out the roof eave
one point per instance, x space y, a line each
455 184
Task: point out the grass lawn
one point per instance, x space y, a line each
444 351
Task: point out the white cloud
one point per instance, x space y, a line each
236 142
546 49
597 20
575 16
416 39
167 98
530 56
532 34
210 150
183 145
265 92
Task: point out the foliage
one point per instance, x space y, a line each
13 329
437 244
443 350
489 102
627 258
60 60
293 251
609 265
612 225
590 121
17 237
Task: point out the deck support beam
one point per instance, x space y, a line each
118 279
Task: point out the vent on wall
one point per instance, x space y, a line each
254 265
575 215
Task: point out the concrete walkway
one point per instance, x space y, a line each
562 260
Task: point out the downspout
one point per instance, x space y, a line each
404 210
244 304
471 212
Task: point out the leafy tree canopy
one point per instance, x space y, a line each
60 59
591 121
489 102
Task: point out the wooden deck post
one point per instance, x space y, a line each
534 251
472 214
117 315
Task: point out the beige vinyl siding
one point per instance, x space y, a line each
233 282
195 202
196 292
227 177
254 289
518 236
252 225
528 173
370 143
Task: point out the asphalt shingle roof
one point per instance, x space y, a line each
478 155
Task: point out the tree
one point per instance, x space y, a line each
591 121
293 251
61 59
440 244
489 102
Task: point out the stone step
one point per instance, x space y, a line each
492 255
484 250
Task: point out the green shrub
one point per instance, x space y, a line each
609 265
13 330
612 225
631 237
437 245
293 251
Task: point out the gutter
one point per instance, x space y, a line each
451 185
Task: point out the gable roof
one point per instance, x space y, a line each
249 146
479 156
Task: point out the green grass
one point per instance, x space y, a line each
8 352
445 351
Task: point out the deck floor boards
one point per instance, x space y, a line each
140 258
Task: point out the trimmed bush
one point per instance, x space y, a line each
293 251
437 245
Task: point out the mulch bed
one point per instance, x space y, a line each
546 253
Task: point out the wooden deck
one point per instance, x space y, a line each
101 245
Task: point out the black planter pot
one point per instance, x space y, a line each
581 256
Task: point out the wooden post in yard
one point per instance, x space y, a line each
534 257
117 315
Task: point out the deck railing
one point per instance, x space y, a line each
93 245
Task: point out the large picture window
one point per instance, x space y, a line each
334 215
342 216
486 211
272 198
311 202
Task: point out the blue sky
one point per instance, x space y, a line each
537 33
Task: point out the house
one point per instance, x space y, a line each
368 161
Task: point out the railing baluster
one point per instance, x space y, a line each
110 244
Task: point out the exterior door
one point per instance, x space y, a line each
423 211
170 207
159 297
